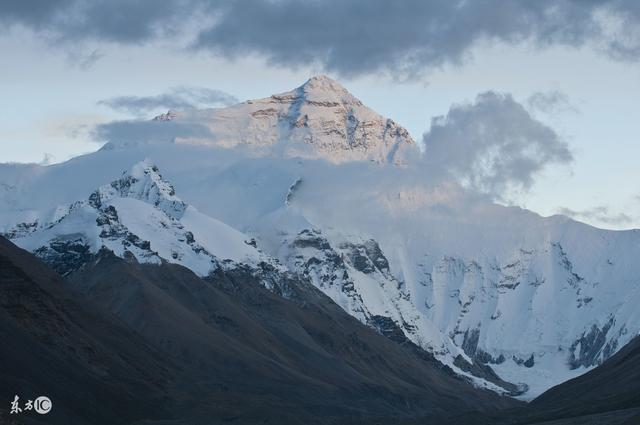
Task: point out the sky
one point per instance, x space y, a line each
531 102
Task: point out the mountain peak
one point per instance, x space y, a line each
322 91
169 116
322 79
143 182
323 83
318 120
137 214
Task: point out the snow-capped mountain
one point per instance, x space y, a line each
500 294
319 119
136 215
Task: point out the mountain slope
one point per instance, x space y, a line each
216 350
612 386
248 340
139 215
93 368
606 395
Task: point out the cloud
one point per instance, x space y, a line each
551 102
120 21
179 98
492 146
84 60
601 213
348 37
120 134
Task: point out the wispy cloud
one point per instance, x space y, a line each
178 98
600 213
135 132
84 60
550 102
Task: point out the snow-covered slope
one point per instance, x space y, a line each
140 215
537 300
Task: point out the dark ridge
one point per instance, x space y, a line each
89 363
612 386
316 363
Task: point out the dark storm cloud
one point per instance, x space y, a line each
33 13
493 146
120 21
349 37
178 98
404 37
600 213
